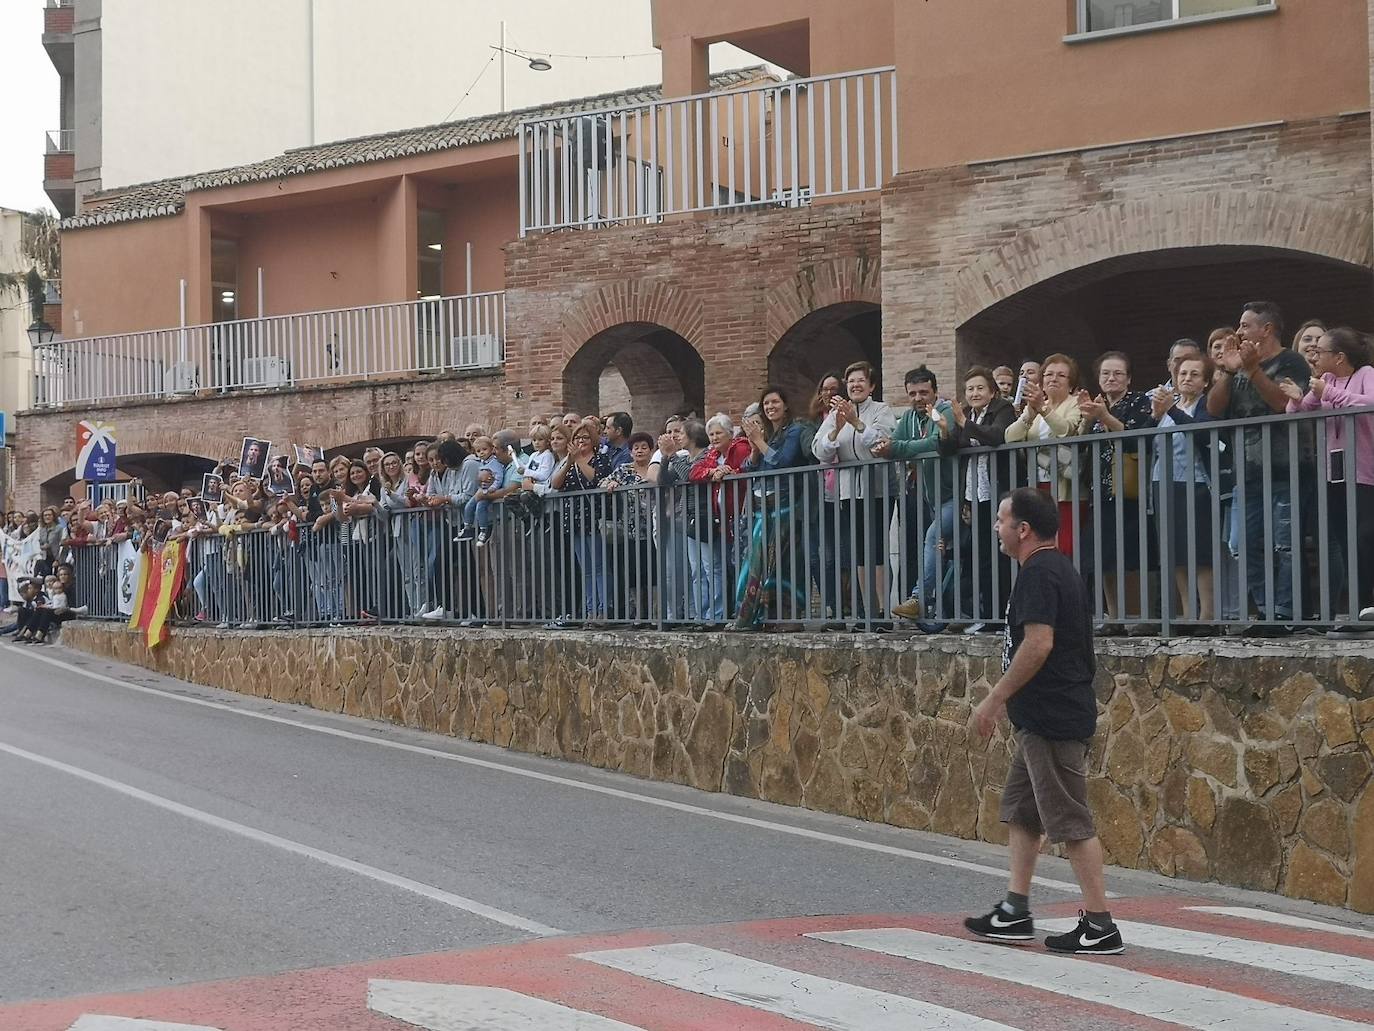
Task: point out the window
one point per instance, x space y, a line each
430 255
224 279
1104 15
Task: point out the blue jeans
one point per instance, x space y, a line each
590 550
1261 554
943 527
678 597
477 513
708 579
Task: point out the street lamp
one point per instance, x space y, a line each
40 332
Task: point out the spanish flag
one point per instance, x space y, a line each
160 578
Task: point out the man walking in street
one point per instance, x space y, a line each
1046 689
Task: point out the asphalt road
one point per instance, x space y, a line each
157 833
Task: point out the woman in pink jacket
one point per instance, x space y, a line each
1344 378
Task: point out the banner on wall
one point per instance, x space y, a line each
95 451
19 557
127 577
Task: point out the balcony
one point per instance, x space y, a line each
376 342
59 170
774 146
59 22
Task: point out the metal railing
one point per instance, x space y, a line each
382 340
59 141
1190 529
778 145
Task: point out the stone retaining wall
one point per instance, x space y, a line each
1248 765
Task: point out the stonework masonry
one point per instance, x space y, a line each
1248 765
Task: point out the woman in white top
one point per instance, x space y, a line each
1052 411
846 436
1180 466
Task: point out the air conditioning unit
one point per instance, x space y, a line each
266 371
475 351
793 197
181 378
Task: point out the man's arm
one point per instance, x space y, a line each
1272 393
1030 655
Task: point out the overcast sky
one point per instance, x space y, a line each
28 104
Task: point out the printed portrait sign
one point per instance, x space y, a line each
212 489
253 457
279 477
307 455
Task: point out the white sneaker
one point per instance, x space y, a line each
976 628
438 613
1367 615
79 610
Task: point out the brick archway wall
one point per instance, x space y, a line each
631 301
1248 218
843 281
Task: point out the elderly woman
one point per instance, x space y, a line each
1052 412
769 579
1180 469
866 494
709 538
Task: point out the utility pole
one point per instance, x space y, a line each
502 52
310 70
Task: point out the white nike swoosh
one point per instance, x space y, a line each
999 922
1090 942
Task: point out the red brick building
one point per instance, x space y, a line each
900 199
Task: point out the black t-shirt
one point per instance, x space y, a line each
1057 703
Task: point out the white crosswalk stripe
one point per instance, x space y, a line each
1283 919
1282 959
95 1022
1097 981
788 993
458 1007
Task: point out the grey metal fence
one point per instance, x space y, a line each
1263 524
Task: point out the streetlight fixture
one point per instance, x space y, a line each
40 332
540 64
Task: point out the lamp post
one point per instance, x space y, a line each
40 332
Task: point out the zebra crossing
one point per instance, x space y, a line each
1188 965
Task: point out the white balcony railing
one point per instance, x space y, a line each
779 145
59 141
444 334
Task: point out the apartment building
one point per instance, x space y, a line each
937 183
159 88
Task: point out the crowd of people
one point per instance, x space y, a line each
843 510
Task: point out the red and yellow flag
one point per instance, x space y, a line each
160 578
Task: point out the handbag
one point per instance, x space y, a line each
1125 473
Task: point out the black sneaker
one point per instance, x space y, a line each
1085 939
1001 926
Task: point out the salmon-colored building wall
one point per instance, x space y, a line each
311 258
996 79
487 213
123 277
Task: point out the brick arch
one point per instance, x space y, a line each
173 439
662 372
823 285
632 301
1221 218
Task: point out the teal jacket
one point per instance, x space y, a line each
917 440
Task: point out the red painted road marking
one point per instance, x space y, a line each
549 970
